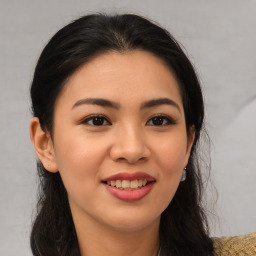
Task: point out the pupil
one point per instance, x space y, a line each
158 121
98 120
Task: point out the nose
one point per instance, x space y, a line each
129 145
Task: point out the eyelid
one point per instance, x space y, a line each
171 121
90 117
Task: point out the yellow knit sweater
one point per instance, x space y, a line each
236 245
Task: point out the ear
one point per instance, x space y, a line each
43 145
190 141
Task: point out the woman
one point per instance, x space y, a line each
118 113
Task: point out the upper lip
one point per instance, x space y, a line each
130 176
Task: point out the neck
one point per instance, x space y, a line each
98 240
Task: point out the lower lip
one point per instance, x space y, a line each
129 195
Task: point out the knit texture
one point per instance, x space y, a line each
236 245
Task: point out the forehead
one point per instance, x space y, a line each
136 75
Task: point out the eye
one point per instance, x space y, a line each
96 120
160 120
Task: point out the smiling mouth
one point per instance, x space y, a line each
128 184
129 187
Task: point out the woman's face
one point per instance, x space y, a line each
118 124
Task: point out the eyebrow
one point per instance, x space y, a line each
111 104
97 101
158 102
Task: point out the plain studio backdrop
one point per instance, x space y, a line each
219 37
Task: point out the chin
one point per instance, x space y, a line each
131 223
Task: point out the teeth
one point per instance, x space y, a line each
127 184
118 183
134 184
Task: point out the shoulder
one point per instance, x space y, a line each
235 245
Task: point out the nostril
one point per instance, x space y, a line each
121 159
129 151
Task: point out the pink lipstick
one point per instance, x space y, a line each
129 186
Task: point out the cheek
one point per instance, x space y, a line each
78 161
172 155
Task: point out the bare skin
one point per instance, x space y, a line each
141 128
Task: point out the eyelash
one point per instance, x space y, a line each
93 118
168 120
102 119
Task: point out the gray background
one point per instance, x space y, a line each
219 37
